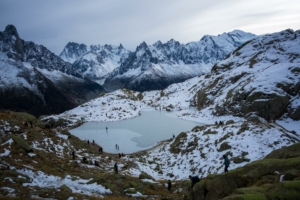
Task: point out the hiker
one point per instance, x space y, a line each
116 146
173 136
116 168
100 150
120 155
106 129
194 179
84 159
93 141
123 154
96 163
169 186
88 141
216 123
226 163
73 154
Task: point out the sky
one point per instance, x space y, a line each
130 22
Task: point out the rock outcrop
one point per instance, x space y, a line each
261 77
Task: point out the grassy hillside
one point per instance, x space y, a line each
275 177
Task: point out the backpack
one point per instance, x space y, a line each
196 179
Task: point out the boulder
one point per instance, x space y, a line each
22 143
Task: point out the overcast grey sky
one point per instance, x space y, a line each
54 23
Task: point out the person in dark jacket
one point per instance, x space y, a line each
169 186
226 163
194 180
73 154
116 168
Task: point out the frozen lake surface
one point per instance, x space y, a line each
134 134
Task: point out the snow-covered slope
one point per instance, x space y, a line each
94 61
159 65
255 85
32 75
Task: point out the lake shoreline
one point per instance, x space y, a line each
135 135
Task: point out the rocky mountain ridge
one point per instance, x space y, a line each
156 66
35 80
94 61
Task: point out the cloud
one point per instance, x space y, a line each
55 23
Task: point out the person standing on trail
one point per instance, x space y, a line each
194 180
226 163
169 185
116 168
73 154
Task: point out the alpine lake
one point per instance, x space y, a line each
135 134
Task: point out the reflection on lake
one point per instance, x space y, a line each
133 134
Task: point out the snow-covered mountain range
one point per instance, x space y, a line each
161 64
94 61
255 86
35 80
155 66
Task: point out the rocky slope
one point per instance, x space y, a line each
261 77
94 61
36 162
35 80
161 64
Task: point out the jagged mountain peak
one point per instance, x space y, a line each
157 44
73 51
108 46
121 46
75 45
173 44
205 38
143 45
171 41
95 61
11 30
